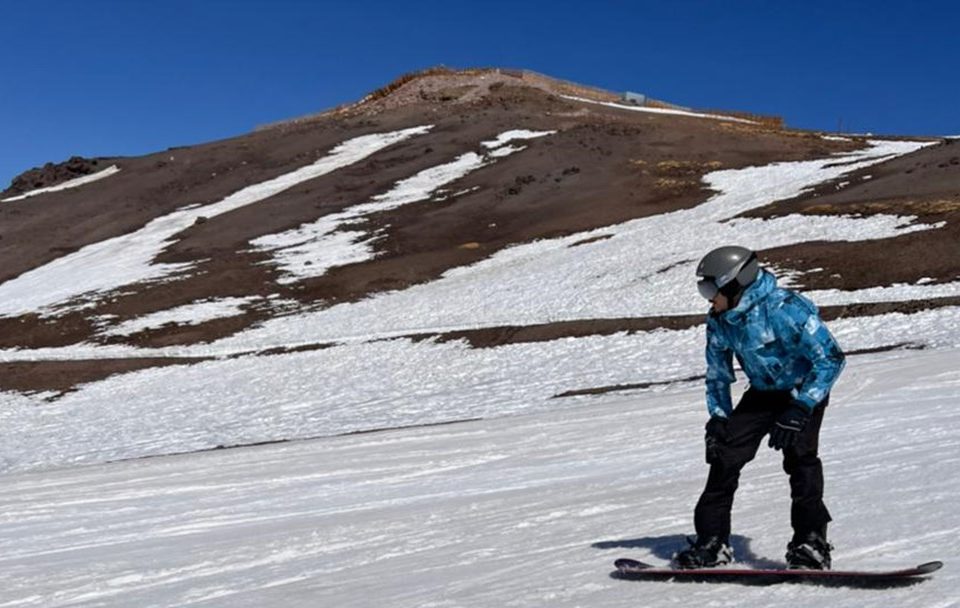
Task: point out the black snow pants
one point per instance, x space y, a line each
750 422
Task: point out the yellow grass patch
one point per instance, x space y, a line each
909 207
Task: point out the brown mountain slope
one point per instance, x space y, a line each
925 184
604 165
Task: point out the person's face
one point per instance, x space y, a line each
720 303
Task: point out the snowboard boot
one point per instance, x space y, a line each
708 552
809 551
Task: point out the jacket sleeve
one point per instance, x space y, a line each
818 346
719 373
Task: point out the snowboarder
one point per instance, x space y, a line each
791 361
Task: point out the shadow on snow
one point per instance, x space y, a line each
664 547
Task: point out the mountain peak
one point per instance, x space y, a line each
445 86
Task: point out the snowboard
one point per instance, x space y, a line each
635 570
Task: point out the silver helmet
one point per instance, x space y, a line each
728 270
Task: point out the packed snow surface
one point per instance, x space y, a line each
369 385
73 183
518 511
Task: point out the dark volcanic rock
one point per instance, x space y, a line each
52 174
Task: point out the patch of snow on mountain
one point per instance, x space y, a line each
506 151
512 135
73 183
194 313
128 259
636 272
314 248
668 111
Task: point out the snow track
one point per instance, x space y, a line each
519 511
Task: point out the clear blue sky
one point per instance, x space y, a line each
111 78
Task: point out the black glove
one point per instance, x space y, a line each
788 426
717 435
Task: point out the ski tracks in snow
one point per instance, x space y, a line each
470 514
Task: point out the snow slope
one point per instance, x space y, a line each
634 272
369 378
369 385
460 514
520 511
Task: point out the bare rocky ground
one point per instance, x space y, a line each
52 174
604 166
925 184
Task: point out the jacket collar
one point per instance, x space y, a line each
757 291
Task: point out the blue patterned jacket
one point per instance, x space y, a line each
779 341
